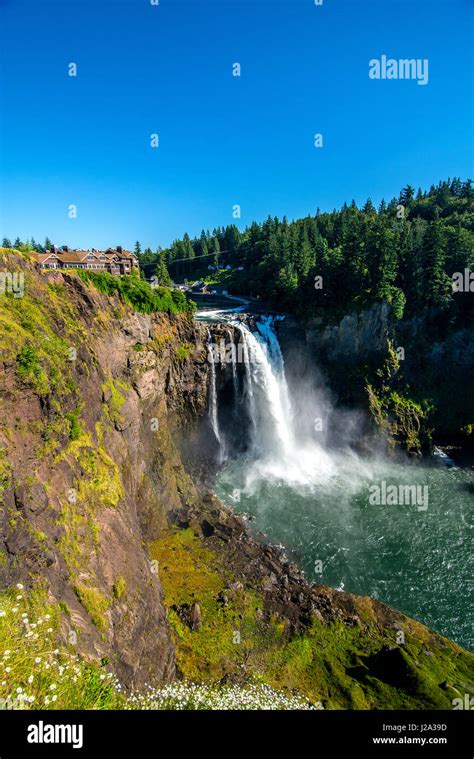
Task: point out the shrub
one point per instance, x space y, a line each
139 294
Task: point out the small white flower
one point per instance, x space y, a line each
31 678
38 659
31 699
19 598
7 669
52 686
2 613
54 698
50 630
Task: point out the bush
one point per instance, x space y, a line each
139 294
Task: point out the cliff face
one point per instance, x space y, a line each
404 373
90 393
150 571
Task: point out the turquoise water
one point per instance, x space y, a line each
418 561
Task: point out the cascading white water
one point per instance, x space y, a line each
266 394
234 364
213 392
277 448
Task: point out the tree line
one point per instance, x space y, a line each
404 252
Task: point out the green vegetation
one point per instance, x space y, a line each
95 603
161 272
29 368
37 331
139 294
75 430
358 667
119 588
99 486
39 672
405 252
112 392
401 418
5 471
36 672
184 351
410 253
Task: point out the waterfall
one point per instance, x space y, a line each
267 395
213 392
234 365
277 446
281 443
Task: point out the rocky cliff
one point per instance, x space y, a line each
404 373
90 392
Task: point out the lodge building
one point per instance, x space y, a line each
115 261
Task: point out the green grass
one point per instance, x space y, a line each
95 603
332 663
38 672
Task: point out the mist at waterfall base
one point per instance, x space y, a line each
300 483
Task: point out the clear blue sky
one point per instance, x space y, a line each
223 140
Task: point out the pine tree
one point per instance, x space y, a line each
369 206
137 249
437 285
162 273
407 195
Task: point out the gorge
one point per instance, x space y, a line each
392 527
108 463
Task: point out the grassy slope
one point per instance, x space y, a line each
333 664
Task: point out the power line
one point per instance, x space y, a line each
194 258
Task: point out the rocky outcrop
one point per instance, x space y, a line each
93 469
357 336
